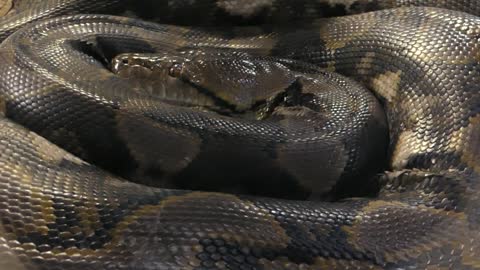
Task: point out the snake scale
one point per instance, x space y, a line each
260 106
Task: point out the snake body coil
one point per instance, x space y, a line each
59 212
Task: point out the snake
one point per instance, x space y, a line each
348 142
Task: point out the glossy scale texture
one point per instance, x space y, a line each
59 212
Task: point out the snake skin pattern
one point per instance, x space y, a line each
90 84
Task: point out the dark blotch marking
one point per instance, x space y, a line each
327 10
359 7
94 139
301 250
255 173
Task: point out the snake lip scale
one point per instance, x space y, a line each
373 117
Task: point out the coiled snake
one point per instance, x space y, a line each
164 105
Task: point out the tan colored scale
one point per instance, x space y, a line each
5 7
55 155
387 85
365 63
335 42
360 234
40 202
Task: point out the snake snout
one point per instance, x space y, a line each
125 62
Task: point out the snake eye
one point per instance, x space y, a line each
175 70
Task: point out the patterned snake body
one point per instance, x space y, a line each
59 212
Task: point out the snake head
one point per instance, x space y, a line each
234 80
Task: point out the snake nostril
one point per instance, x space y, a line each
175 70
